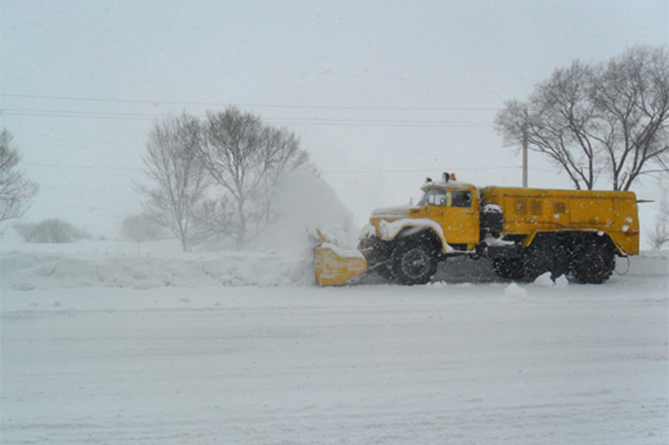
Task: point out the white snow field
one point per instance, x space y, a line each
108 347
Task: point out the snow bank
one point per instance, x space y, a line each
33 270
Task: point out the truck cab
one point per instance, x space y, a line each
455 207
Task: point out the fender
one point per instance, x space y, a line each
390 231
529 238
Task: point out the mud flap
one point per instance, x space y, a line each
335 266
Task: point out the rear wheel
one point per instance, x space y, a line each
414 263
592 264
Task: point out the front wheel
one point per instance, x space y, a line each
414 264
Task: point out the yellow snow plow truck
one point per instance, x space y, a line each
523 232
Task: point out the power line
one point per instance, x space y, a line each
86 191
81 114
426 170
86 167
423 170
380 123
222 104
293 121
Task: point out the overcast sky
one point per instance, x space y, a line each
381 94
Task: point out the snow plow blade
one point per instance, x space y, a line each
335 266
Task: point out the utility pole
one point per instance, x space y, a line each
525 156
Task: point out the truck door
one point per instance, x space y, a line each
434 202
460 219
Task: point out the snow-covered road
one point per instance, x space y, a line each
443 363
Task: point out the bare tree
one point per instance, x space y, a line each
16 191
215 218
248 159
589 120
631 96
178 180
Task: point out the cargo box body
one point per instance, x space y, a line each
531 211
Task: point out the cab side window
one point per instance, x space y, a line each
460 198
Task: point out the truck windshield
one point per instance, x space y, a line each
434 197
450 198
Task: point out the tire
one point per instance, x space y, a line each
377 253
413 263
592 264
508 268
